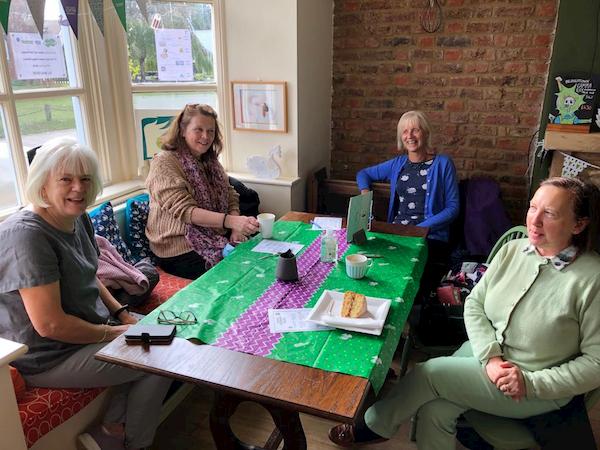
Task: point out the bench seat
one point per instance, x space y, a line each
43 409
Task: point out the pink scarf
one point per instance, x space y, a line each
211 192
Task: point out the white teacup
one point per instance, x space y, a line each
357 265
265 221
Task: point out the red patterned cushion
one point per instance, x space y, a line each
43 409
18 382
164 290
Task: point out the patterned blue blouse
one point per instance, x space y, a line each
411 189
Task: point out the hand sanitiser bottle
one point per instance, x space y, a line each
329 246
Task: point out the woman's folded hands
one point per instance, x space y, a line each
507 377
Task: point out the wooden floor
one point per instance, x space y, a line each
187 427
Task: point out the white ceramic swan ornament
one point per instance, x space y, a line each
262 167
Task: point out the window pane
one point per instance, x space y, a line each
8 185
173 43
44 118
37 63
173 100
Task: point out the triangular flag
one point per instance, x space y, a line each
4 10
36 8
120 9
71 9
573 166
142 4
97 7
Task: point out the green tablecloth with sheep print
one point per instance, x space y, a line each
231 301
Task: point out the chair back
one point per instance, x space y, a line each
517 232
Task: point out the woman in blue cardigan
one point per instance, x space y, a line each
424 188
423 192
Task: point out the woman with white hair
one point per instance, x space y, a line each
49 296
423 190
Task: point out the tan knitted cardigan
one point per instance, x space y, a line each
171 205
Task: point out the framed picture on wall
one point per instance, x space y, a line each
259 106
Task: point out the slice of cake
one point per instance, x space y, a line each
355 305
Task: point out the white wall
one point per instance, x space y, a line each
261 46
315 63
283 40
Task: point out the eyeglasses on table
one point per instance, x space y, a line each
168 317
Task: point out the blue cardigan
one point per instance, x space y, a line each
442 198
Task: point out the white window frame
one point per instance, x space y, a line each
88 93
118 57
106 99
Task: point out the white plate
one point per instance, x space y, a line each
330 305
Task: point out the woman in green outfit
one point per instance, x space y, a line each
532 323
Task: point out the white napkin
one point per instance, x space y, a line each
369 324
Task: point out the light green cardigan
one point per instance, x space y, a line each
544 320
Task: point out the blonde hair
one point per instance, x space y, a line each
62 155
173 139
414 117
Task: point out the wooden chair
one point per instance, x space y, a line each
514 233
331 196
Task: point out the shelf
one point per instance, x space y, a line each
573 142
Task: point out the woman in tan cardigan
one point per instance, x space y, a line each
194 211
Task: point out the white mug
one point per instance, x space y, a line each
265 221
357 265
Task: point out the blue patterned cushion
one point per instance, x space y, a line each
105 225
136 216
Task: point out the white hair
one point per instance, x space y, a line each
62 155
412 118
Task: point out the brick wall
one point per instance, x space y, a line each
480 78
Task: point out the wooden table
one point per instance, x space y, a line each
284 389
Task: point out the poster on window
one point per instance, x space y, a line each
174 54
152 124
36 58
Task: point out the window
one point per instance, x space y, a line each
171 55
95 87
42 92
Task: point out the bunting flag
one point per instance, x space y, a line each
574 166
142 4
71 9
36 8
4 10
97 7
120 9
156 21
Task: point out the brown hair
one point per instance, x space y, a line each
173 140
586 205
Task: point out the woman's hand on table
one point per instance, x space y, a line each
127 319
110 332
237 237
245 225
512 384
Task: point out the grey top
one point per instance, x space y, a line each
33 253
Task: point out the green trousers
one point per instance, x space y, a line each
439 391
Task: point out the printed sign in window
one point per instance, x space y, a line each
36 58
174 54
